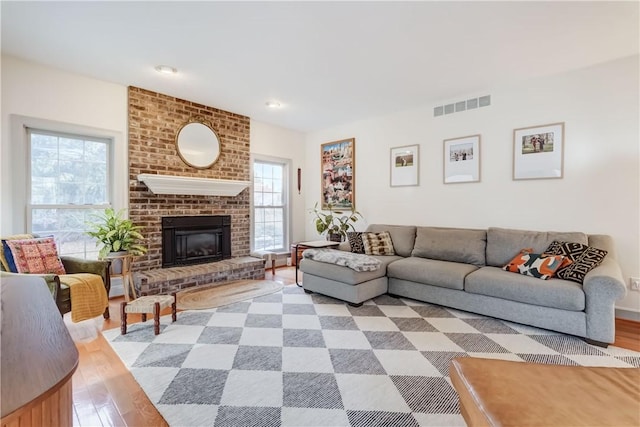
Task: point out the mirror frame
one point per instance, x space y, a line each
201 121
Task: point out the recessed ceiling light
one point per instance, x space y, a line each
165 69
273 104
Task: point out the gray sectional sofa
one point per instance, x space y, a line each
461 268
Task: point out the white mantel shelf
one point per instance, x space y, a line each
170 184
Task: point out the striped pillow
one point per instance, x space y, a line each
584 259
378 243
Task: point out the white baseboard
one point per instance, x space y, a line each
116 288
628 314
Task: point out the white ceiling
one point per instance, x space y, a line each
327 62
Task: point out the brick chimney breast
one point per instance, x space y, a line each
154 120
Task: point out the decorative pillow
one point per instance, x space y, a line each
583 259
36 256
541 266
8 258
378 243
355 242
5 253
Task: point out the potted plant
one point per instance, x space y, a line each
116 234
335 223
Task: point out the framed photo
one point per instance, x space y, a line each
338 164
405 165
462 159
538 152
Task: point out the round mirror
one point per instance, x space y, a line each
197 144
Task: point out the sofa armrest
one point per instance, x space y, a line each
74 265
603 286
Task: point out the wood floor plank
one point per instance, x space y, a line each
627 334
110 416
105 392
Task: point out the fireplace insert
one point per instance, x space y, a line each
190 240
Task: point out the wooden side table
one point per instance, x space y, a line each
315 244
125 273
296 253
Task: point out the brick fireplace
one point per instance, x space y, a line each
154 120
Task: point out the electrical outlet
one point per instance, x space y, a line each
634 284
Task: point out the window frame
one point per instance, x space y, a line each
286 199
30 206
20 180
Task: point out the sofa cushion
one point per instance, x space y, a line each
345 274
503 243
555 293
451 244
541 266
445 274
35 256
377 243
583 259
402 236
355 242
3 259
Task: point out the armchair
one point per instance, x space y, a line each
78 265
61 291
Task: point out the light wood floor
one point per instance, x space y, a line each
106 394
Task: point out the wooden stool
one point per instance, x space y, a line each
267 256
148 304
270 257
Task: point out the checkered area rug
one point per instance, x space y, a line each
294 359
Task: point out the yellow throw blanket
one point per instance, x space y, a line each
88 295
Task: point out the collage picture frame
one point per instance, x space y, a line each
337 166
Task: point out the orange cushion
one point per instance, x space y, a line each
542 266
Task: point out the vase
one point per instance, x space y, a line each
116 261
335 237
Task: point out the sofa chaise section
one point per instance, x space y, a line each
346 284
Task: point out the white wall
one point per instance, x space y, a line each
270 140
600 191
43 93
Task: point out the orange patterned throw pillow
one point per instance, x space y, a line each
36 256
542 266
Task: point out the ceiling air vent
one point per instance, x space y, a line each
456 107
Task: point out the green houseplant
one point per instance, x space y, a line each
335 224
116 233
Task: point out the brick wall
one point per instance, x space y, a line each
154 120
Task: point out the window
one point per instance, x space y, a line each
69 179
270 205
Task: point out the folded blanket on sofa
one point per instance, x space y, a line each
357 262
88 295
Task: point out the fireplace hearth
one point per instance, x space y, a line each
188 240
